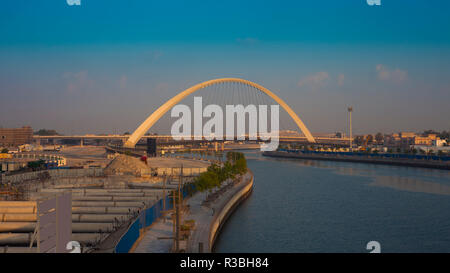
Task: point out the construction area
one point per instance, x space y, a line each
105 201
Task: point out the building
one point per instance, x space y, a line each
423 140
9 165
13 137
407 134
439 142
407 139
428 140
392 140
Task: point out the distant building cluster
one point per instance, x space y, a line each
406 139
408 142
13 137
17 152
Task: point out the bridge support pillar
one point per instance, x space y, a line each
81 142
222 147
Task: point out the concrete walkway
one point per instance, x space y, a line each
149 242
203 217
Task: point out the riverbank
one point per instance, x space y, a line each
359 159
210 218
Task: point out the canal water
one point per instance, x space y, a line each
324 206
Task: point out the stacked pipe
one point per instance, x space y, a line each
95 214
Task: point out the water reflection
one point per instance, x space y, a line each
411 184
399 178
327 206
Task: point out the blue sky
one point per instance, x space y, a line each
104 66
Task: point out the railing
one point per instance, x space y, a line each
146 218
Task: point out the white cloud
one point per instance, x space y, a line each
153 55
315 80
385 74
77 81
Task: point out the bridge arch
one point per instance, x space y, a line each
155 116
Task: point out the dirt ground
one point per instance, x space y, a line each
86 155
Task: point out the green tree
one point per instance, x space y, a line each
46 132
427 132
4 151
241 166
207 181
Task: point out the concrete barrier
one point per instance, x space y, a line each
25 238
103 210
107 204
20 227
222 216
6 249
57 173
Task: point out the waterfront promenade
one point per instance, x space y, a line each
208 221
210 218
151 241
378 159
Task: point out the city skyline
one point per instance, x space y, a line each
240 131
105 66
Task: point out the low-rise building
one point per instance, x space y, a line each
428 140
422 140
439 142
13 164
13 137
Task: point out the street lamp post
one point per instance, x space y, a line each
350 110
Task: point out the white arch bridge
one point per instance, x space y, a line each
156 115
